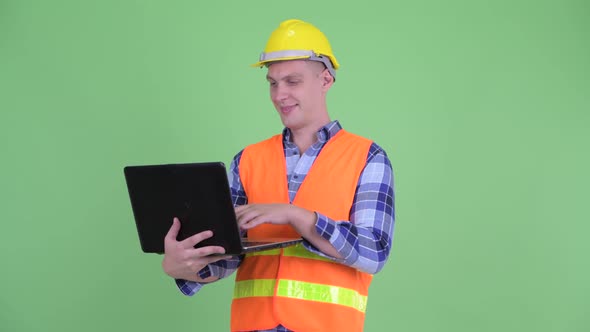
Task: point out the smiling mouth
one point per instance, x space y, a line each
287 109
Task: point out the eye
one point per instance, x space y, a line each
292 82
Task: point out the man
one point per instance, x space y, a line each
315 181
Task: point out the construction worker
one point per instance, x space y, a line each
316 181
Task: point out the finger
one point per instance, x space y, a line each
240 207
246 217
249 216
173 231
192 241
214 259
240 210
207 251
249 213
255 222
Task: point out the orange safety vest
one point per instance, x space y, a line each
293 286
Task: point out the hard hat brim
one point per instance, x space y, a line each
266 62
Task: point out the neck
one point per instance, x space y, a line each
306 136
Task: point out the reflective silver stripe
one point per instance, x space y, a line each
285 54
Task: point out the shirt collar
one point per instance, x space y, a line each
324 134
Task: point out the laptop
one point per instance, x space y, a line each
198 194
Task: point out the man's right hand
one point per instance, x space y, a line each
182 260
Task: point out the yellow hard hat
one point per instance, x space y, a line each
296 39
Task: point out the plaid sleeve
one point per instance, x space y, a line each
222 268
366 240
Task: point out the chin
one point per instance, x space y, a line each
291 120
288 123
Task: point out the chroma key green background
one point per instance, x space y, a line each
482 106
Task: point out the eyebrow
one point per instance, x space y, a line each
290 76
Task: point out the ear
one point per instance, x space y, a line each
327 79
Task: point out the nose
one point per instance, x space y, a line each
278 93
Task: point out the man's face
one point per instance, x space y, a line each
297 90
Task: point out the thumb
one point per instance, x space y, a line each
173 231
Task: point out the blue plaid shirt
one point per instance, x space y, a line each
364 242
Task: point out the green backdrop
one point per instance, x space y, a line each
482 106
